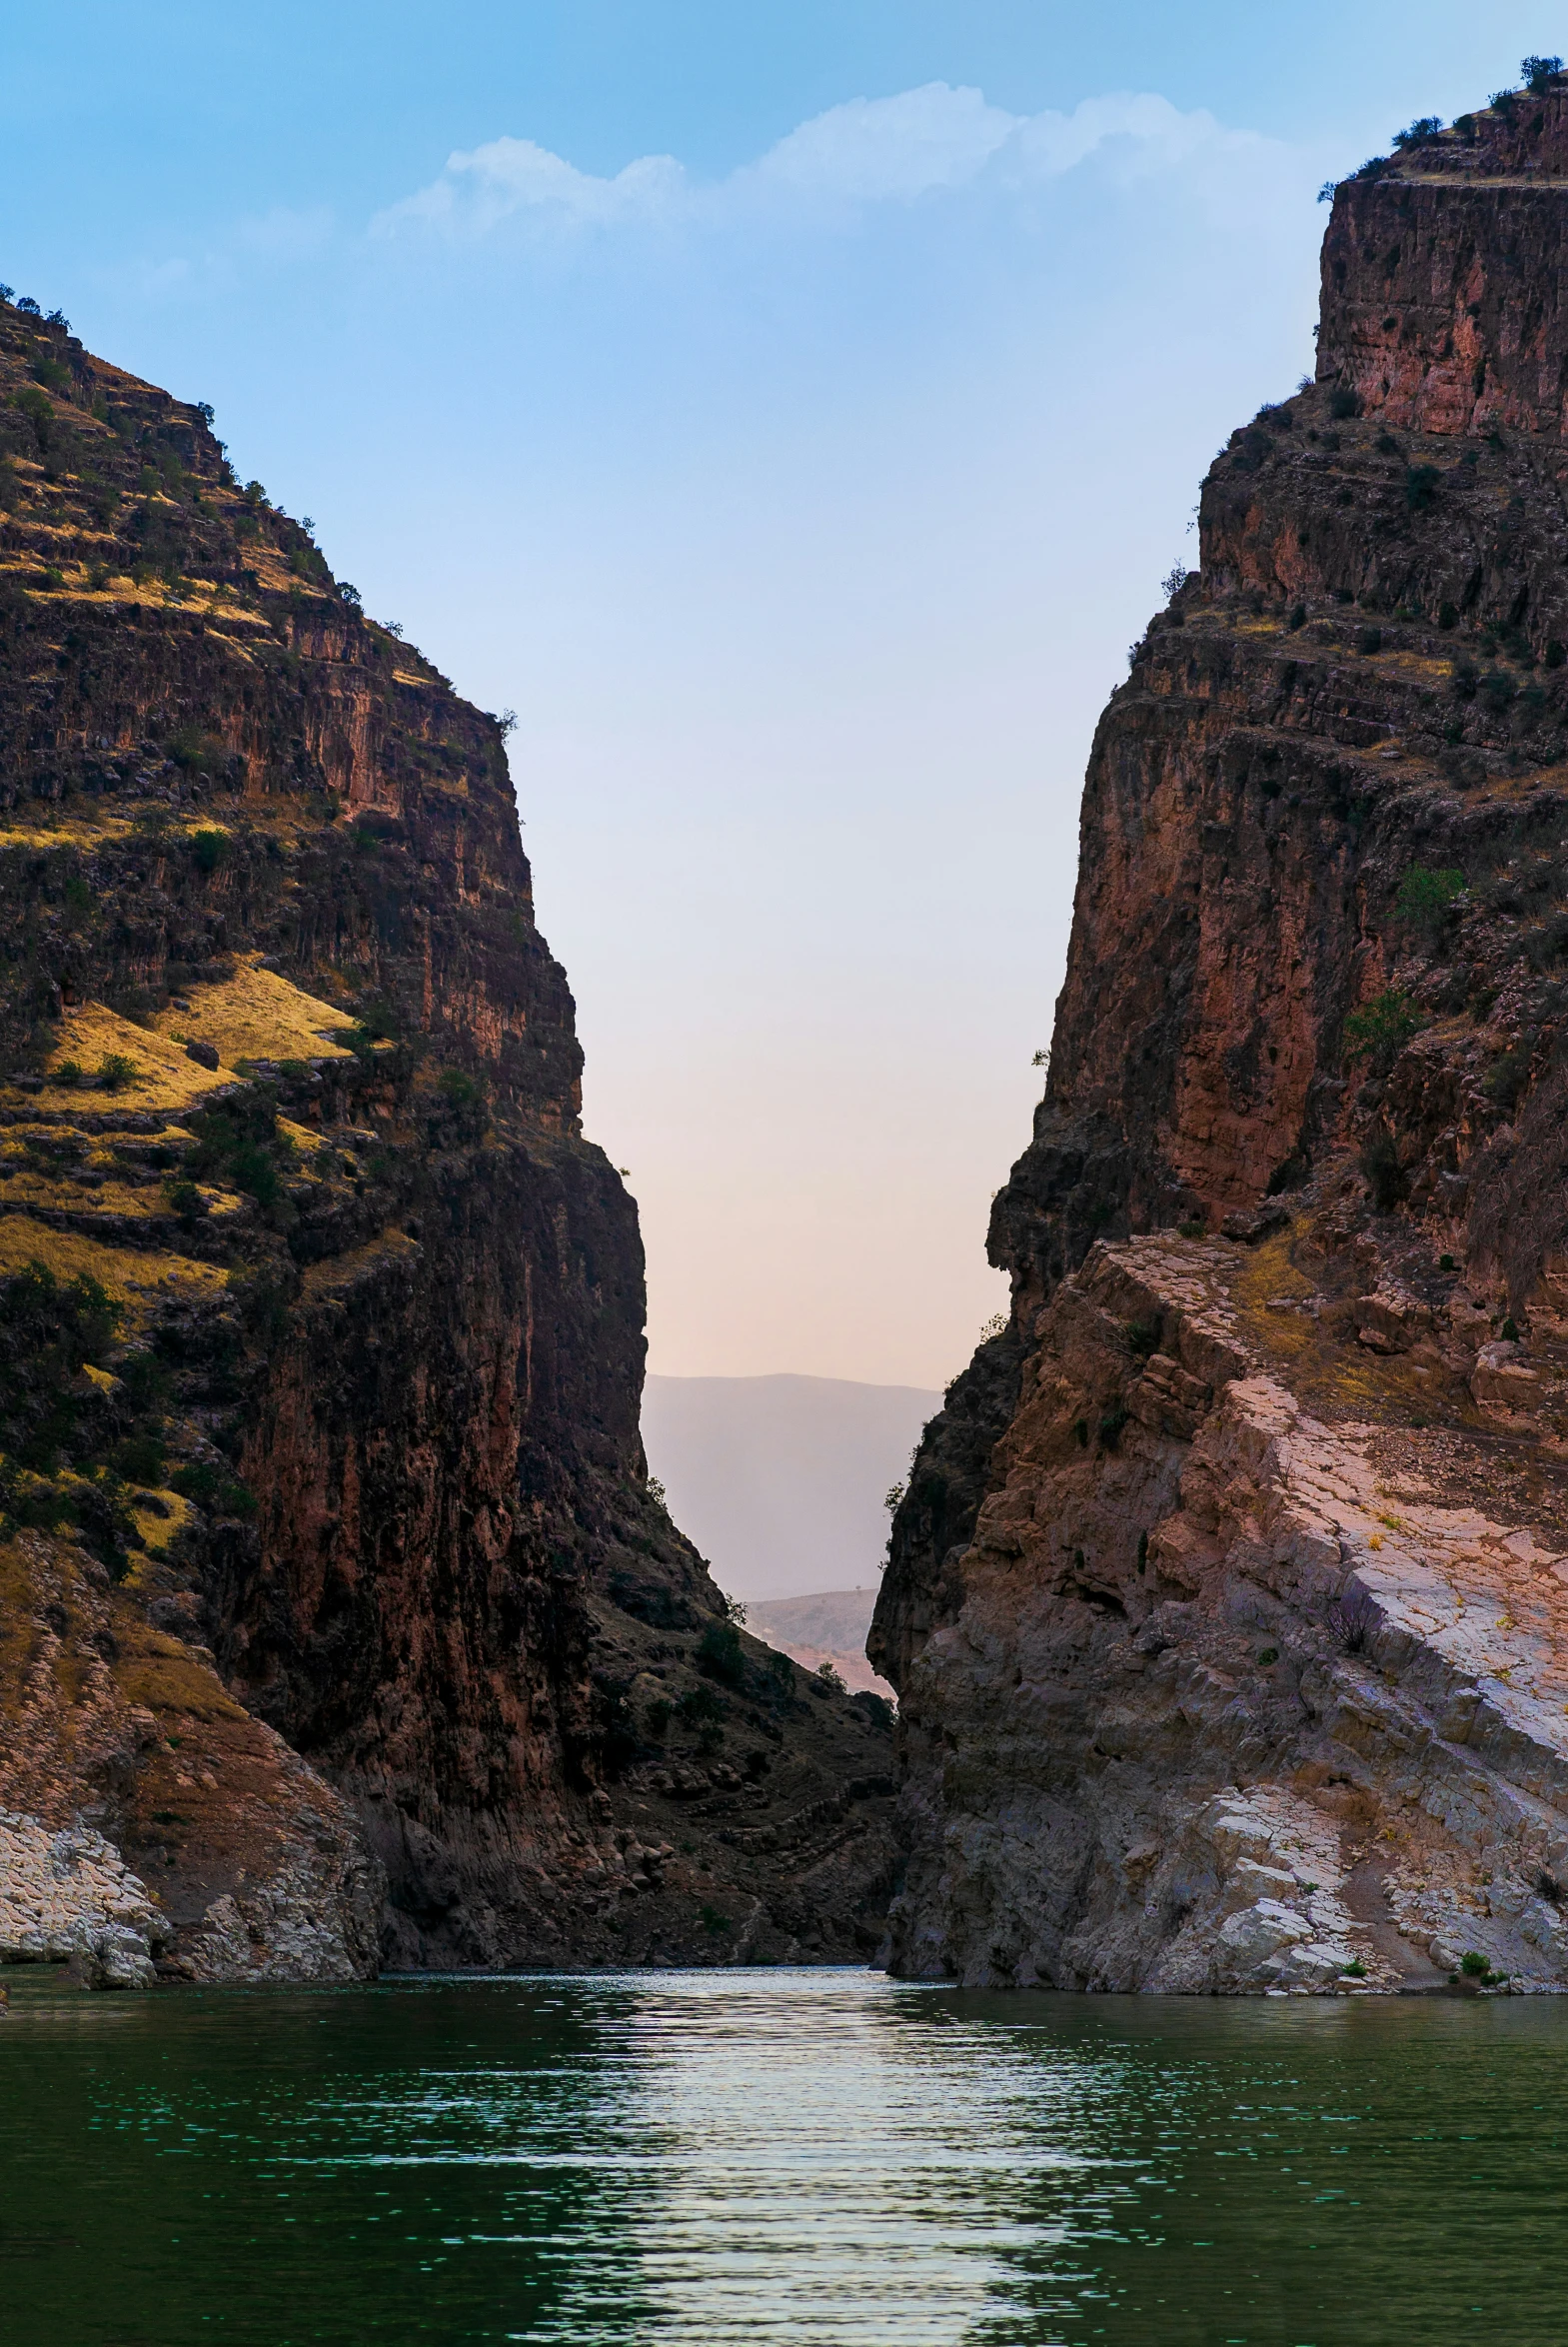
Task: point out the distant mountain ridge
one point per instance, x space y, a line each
828 1626
781 1480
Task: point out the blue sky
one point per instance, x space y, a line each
789 409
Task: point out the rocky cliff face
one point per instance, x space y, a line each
332 1592
1225 1605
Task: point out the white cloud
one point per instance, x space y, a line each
869 151
877 149
507 177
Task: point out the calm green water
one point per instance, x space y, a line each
819 2157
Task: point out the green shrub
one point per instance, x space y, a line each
780 1670
460 1089
1385 1175
210 849
38 408
241 1148
1382 1029
1354 1970
49 1331
658 1717
1498 690
186 1201
1474 1965
1144 1338
1111 1426
1538 74
140 1459
719 1655
1193 1228
713 1923
1421 481
66 1072
832 1678
700 1707
210 1487
1506 1078
1425 896
115 1072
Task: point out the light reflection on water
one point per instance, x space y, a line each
822 2157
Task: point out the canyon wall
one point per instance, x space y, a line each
333 1600
1226 1604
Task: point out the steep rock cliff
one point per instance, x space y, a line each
1313 1032
333 1593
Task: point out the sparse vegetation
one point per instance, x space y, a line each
1505 1080
1385 1174
1382 1029
1422 483
1351 1621
209 849
701 1709
1425 896
720 1655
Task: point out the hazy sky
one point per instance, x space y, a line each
789 408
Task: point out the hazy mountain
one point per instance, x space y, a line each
781 1481
829 1625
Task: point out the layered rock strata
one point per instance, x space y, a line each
1263 1514
331 1591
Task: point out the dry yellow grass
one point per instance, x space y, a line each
165 1078
126 1272
31 1192
166 1676
342 1270
1321 1364
154 1530
65 832
256 1015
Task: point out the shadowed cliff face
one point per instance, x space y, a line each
1315 997
321 1460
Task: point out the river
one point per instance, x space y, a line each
822 2157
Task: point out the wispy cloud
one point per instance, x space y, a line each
870 151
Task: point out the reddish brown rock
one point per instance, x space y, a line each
290 1072
1318 978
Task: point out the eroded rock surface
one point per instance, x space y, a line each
332 1589
1237 1696
1257 1507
